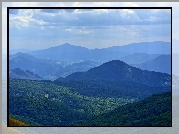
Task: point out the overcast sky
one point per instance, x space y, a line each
43 28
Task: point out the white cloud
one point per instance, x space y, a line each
83 32
133 34
52 24
24 21
68 30
127 11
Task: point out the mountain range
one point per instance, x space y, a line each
17 73
63 60
25 61
48 69
92 87
70 52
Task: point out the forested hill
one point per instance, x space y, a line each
49 104
152 111
117 70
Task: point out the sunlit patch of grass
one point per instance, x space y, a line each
14 122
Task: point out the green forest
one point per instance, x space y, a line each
152 111
55 103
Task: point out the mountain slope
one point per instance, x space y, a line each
71 67
48 69
43 111
156 47
138 58
152 111
161 63
61 52
17 73
116 89
40 67
119 71
14 51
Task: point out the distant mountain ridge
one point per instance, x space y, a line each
138 58
26 61
48 69
71 52
161 63
14 51
17 73
68 52
156 47
63 60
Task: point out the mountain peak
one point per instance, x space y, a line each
67 44
117 70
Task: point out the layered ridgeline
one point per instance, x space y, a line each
25 61
46 68
92 83
63 60
17 73
82 96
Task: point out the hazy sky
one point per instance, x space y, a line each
91 28
38 29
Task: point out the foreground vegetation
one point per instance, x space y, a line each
152 111
49 104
